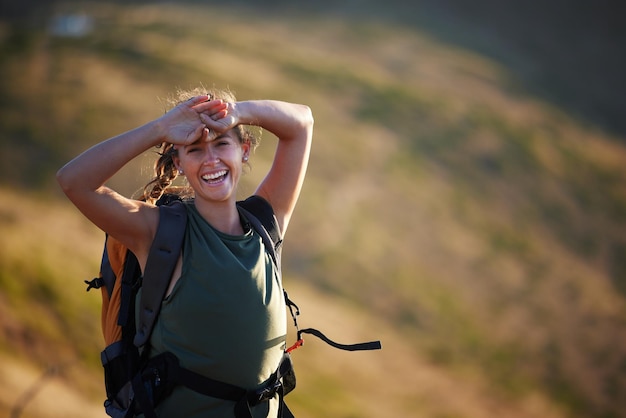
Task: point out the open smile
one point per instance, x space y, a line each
214 178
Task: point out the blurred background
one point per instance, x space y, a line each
465 201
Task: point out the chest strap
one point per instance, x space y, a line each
163 373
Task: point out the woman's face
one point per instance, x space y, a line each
213 165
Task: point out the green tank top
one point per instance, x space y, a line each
224 319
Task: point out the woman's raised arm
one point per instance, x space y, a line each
83 179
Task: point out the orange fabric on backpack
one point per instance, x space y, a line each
110 307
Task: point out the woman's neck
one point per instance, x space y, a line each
222 216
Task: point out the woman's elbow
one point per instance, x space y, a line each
307 116
66 180
62 178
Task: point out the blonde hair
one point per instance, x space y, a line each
164 167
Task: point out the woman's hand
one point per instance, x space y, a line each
186 123
220 117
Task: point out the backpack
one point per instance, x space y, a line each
136 383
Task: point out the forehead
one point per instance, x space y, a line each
228 135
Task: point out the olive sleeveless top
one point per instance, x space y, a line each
224 319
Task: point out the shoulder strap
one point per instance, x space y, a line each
160 265
106 271
130 277
261 217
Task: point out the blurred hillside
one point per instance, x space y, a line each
450 207
569 53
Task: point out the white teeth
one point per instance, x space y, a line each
209 177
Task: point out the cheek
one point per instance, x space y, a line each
188 160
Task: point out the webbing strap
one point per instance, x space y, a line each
295 311
266 237
206 386
108 277
142 397
263 211
160 266
166 368
371 345
127 295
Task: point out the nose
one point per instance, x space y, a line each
210 156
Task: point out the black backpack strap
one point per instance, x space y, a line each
106 272
107 277
371 345
163 372
261 216
160 266
130 277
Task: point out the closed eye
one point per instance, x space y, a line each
222 140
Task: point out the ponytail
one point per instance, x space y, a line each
165 174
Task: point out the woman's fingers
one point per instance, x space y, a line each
209 117
213 114
211 107
194 101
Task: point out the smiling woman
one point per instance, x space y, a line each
165 167
224 270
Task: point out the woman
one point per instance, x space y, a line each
224 314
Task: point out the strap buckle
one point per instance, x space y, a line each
266 393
